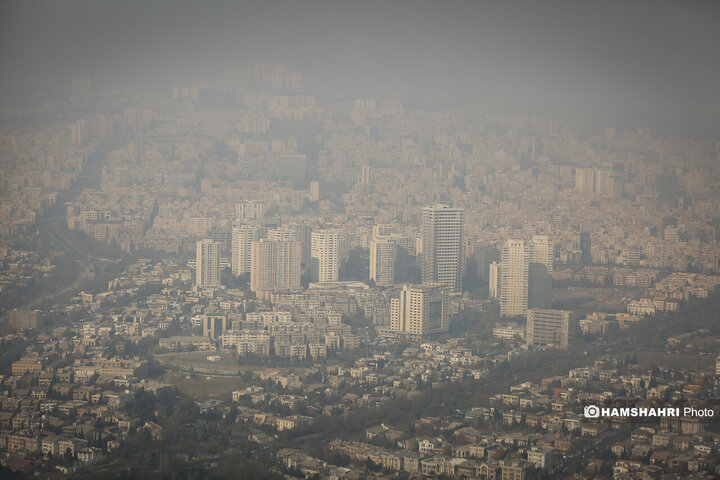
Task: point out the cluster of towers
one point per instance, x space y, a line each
273 256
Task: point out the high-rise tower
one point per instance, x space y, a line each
326 252
515 268
207 261
383 255
242 238
442 234
275 265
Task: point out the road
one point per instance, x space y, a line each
50 233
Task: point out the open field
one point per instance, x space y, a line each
201 379
601 299
198 362
202 387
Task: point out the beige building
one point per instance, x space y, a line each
207 263
515 269
420 310
25 318
548 328
32 365
242 238
275 265
214 325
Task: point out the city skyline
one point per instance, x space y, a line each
348 240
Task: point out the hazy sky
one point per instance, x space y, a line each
635 62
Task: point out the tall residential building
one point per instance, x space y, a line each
421 310
603 182
302 235
242 238
383 255
442 234
250 210
78 133
599 181
327 251
540 273
275 265
214 325
585 179
207 263
366 175
548 328
495 281
514 285
314 191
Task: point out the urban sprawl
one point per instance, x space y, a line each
238 277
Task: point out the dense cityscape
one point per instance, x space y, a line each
238 277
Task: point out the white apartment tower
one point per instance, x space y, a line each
442 238
207 263
275 265
421 310
242 238
327 251
515 268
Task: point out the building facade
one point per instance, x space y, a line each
383 255
275 265
327 252
420 310
242 238
515 266
207 263
442 234
548 328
